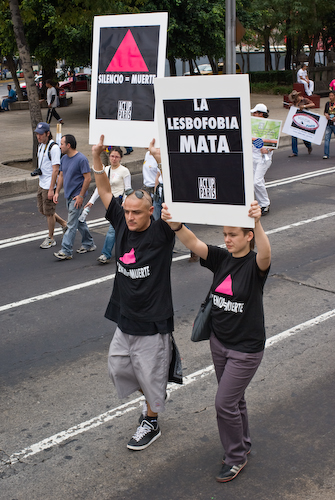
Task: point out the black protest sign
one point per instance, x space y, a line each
204 143
127 65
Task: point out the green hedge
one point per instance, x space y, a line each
275 77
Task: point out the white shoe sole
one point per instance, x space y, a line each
144 446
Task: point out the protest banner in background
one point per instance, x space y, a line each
305 125
265 132
128 53
205 138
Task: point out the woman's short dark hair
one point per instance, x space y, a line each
117 149
70 139
246 230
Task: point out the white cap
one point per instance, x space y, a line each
259 107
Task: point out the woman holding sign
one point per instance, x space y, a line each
238 334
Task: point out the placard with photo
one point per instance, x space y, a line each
305 125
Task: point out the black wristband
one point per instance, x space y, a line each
179 228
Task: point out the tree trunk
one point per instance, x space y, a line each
288 57
213 65
12 69
172 65
34 105
267 52
242 57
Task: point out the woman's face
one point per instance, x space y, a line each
237 243
115 158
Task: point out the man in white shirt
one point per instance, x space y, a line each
53 102
302 77
48 156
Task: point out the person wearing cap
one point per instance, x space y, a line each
302 103
48 157
75 176
261 159
302 77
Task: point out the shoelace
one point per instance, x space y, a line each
142 430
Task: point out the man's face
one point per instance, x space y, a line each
42 138
137 213
331 97
259 114
63 146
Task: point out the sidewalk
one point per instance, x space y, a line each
16 139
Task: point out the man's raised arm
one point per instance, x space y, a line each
101 179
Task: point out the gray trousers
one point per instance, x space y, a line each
234 371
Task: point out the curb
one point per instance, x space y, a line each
25 184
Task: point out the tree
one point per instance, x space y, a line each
196 28
34 105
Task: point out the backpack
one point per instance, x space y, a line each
50 146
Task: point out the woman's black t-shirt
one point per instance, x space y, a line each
237 302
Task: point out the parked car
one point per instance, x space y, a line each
39 84
82 82
206 69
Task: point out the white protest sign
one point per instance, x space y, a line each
305 125
128 53
206 147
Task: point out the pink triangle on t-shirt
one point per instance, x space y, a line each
129 258
226 286
128 56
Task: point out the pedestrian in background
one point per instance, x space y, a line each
262 160
7 99
75 176
302 103
48 157
120 180
53 102
329 113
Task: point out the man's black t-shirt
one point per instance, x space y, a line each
141 301
237 303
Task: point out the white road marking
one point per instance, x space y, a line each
132 405
97 281
26 238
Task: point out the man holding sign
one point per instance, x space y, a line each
141 301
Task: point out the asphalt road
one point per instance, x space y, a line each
63 431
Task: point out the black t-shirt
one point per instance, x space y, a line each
330 110
237 303
141 301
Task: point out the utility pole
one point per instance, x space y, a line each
230 37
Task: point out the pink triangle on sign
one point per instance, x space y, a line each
226 286
128 57
129 258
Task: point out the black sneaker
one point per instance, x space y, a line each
145 434
265 210
229 472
